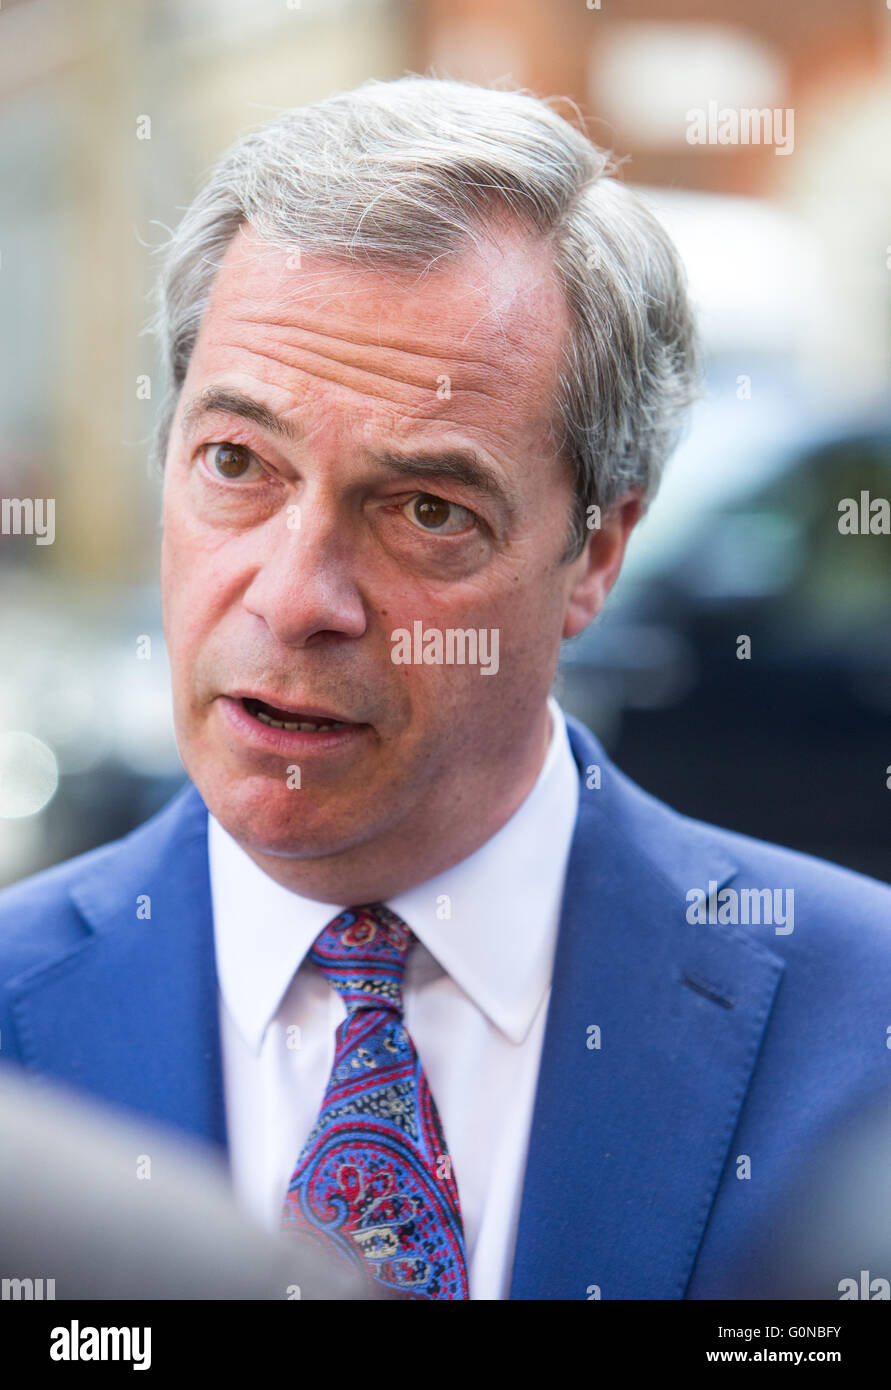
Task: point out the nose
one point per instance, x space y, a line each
305 584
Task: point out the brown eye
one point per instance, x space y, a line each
229 460
435 514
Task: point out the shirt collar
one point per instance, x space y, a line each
490 921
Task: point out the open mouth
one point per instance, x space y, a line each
292 720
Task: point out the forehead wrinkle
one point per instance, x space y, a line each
294 355
488 273
416 398
301 297
322 285
355 341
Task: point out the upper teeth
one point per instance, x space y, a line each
302 725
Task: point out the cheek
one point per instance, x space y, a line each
188 590
530 624
528 611
196 559
173 547
176 565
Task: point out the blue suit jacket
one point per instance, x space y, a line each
715 1041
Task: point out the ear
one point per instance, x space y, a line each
596 570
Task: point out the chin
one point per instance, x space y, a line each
267 818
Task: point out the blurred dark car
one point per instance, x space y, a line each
791 744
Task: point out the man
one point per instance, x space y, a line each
459 1001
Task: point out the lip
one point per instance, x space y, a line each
293 743
310 711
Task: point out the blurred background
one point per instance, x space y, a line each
111 115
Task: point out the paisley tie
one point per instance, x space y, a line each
374 1180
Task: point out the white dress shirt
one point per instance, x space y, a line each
475 993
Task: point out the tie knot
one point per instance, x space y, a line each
362 955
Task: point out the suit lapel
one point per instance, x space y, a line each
629 1139
131 1013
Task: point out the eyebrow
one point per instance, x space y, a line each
221 400
460 465
464 466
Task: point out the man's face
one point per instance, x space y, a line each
406 478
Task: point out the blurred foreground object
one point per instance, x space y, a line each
108 1209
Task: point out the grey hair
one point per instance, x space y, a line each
405 172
